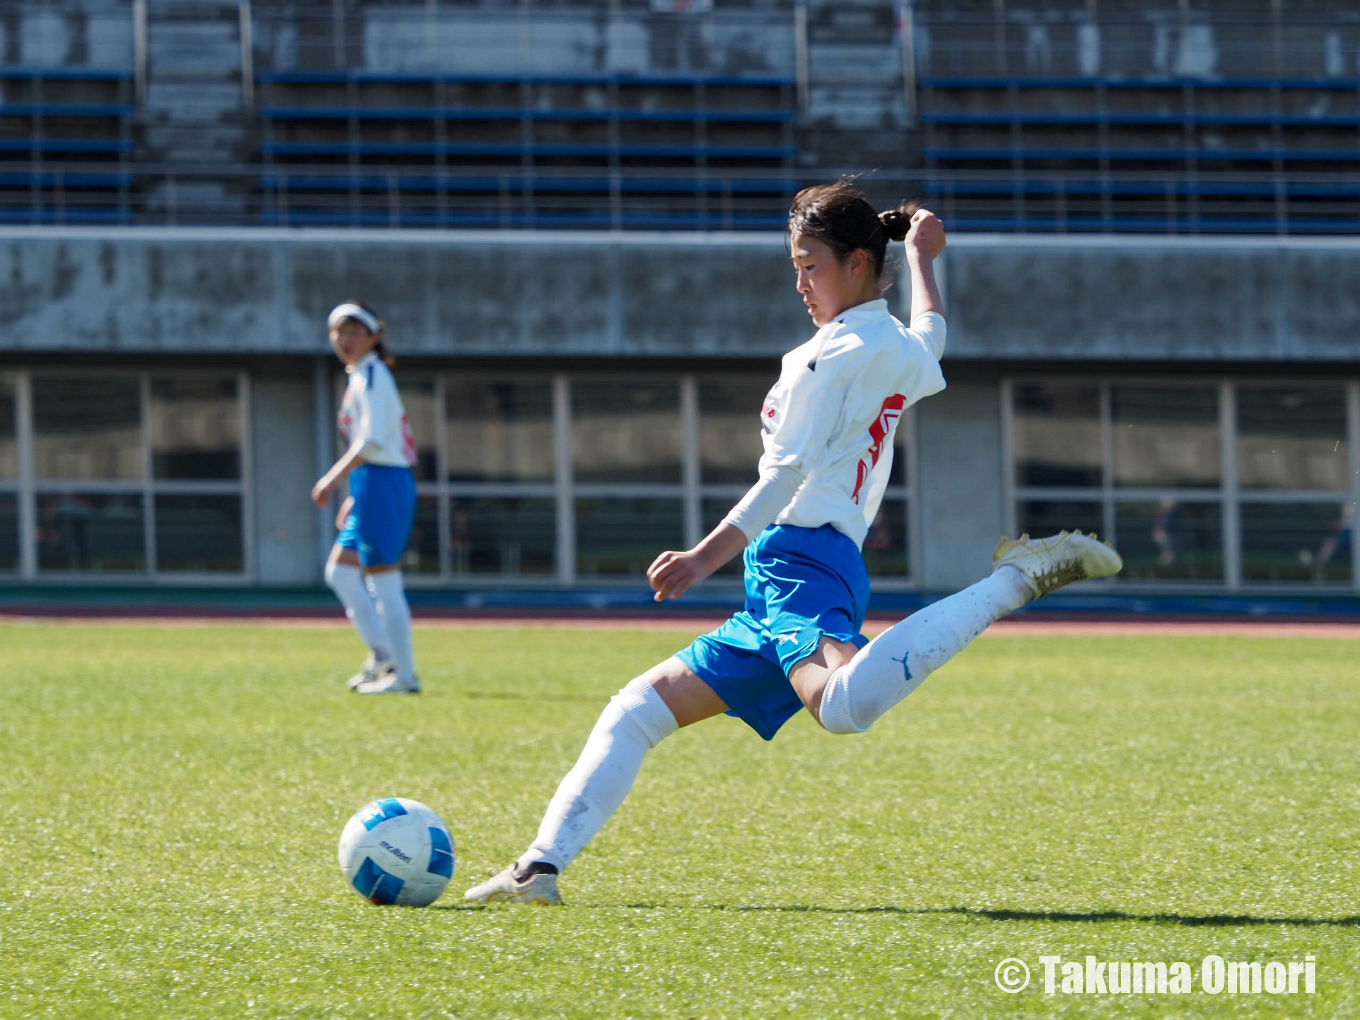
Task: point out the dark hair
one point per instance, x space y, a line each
841 217
382 330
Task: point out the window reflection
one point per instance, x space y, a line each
499 430
1170 540
9 450
1057 434
9 531
1165 436
1292 438
418 399
195 429
886 553
621 537
87 429
503 535
1296 541
98 532
199 534
626 431
730 428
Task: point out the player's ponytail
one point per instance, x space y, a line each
840 216
897 222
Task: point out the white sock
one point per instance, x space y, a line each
348 583
390 594
634 721
895 663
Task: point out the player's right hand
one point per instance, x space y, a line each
926 234
672 573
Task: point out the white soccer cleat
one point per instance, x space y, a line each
374 669
1048 564
388 683
505 888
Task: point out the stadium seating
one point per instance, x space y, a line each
1142 154
65 145
661 150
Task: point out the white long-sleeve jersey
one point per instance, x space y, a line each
373 416
829 422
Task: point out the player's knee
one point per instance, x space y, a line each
638 704
837 714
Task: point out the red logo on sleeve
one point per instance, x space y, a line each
879 431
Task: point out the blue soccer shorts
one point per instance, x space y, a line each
379 524
801 584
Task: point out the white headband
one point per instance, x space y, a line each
352 311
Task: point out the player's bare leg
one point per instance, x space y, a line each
647 710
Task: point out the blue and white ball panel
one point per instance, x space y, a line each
397 851
379 524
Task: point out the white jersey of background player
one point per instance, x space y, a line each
828 426
364 568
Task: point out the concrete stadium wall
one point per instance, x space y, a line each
536 295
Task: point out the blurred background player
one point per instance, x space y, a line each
828 435
364 568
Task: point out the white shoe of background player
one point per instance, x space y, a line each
373 669
388 683
1048 564
505 888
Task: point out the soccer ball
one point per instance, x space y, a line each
397 851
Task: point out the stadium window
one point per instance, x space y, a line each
195 429
505 536
199 533
1170 539
137 474
730 429
1045 517
1292 438
87 429
422 550
419 400
619 537
94 532
9 432
9 473
498 514
498 429
625 431
1296 542
1165 436
1284 514
1056 434
1293 461
9 531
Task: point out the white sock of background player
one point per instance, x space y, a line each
390 594
348 584
893 664
634 721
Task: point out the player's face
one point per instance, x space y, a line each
828 285
351 340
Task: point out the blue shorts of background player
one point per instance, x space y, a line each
801 584
379 524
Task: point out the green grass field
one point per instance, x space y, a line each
175 794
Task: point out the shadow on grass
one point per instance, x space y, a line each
1059 916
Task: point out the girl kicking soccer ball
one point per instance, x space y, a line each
828 434
364 568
